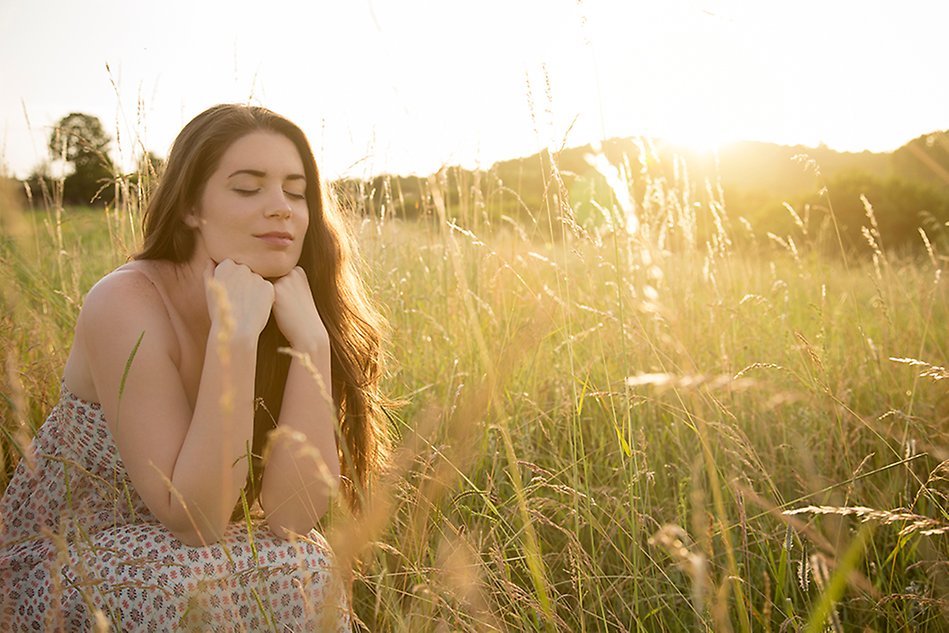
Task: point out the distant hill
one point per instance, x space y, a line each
907 188
925 159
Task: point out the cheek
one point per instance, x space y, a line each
304 223
220 232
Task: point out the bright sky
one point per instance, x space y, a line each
410 85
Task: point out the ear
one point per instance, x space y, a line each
191 219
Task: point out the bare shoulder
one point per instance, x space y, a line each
129 281
116 313
126 300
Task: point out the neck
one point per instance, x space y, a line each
192 299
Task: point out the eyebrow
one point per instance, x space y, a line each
260 174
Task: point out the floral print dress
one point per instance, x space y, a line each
79 550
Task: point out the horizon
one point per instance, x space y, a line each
476 165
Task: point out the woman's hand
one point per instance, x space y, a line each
296 313
249 297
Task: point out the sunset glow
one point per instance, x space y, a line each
405 87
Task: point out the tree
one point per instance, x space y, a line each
900 208
926 159
149 167
81 140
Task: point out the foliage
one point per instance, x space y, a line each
81 141
753 180
893 207
79 138
925 159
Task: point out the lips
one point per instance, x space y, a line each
280 239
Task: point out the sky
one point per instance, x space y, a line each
408 86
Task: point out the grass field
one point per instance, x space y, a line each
630 426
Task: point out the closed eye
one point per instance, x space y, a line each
297 196
246 192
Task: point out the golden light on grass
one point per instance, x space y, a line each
662 418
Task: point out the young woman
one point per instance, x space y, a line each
133 500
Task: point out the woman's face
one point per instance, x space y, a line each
253 209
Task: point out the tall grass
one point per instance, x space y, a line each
656 421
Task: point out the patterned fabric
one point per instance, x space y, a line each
76 539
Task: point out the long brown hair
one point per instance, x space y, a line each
353 324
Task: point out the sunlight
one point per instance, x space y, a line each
700 140
402 90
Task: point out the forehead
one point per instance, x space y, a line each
268 152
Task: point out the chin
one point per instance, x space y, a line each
268 269
271 272
269 265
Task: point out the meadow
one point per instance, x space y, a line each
657 419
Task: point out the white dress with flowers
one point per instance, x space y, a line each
77 544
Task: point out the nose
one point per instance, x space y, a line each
280 206
279 212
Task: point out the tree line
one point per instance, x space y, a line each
773 188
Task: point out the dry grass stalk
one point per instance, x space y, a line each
915 523
934 372
820 568
662 381
680 547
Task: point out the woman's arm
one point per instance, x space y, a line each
211 466
302 471
187 465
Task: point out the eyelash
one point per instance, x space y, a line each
250 192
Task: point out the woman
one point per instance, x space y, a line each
135 501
